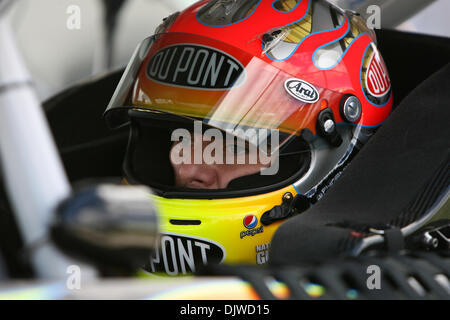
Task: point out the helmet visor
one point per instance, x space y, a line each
223 86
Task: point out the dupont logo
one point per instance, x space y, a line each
301 90
377 78
195 66
180 254
250 221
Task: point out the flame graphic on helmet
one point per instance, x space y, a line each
345 76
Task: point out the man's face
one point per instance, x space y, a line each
213 175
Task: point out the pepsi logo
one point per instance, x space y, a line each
301 90
377 78
250 221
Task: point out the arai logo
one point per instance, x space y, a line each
301 90
250 221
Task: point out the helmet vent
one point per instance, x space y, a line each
185 222
221 13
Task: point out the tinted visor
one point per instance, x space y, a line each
225 87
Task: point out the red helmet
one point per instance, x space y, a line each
305 68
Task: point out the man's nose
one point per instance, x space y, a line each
198 176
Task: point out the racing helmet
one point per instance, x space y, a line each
300 79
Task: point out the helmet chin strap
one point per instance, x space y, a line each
326 128
290 206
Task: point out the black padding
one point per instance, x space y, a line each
395 241
411 58
390 173
87 146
